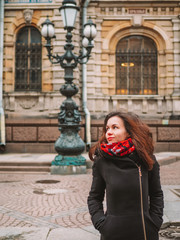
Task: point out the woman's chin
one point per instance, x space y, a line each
111 141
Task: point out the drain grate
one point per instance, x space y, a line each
47 181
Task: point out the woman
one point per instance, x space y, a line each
124 166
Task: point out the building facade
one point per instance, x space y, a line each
135 65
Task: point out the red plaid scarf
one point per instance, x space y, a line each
118 149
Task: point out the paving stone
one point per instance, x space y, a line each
71 234
58 203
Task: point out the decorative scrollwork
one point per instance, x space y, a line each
171 232
69 142
69 113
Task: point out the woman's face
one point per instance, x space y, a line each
115 130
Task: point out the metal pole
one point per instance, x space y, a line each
84 87
2 118
69 145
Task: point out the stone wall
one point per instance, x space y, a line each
30 116
114 20
38 135
47 101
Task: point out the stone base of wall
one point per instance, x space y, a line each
167 147
34 135
29 148
49 147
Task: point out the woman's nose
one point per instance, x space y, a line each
109 132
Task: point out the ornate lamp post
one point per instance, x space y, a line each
69 145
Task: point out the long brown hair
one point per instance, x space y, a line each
138 131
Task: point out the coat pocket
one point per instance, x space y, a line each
118 227
156 220
151 225
103 224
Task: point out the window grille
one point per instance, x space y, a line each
28 60
136 66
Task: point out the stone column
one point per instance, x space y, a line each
176 92
176 43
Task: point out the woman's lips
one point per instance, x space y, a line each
110 138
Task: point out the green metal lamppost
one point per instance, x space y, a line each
69 145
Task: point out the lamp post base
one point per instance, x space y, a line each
64 165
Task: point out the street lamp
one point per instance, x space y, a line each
69 145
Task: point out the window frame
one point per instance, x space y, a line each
28 60
127 76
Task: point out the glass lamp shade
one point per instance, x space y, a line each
93 31
85 42
87 31
47 29
92 42
69 12
90 29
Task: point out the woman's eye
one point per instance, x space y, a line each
115 127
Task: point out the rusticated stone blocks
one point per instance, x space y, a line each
94 134
168 134
48 134
8 134
24 134
40 134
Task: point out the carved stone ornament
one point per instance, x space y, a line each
28 15
137 20
28 102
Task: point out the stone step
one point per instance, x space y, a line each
22 163
24 168
30 166
30 163
24 172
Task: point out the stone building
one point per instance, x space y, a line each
135 65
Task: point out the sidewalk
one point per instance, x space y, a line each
51 207
27 158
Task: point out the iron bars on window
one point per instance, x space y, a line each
136 72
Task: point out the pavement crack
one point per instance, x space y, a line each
49 233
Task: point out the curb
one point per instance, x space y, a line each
168 160
161 161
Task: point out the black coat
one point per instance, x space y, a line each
129 215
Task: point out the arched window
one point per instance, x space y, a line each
136 66
28 60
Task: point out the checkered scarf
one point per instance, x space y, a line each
119 148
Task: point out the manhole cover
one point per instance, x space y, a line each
47 181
